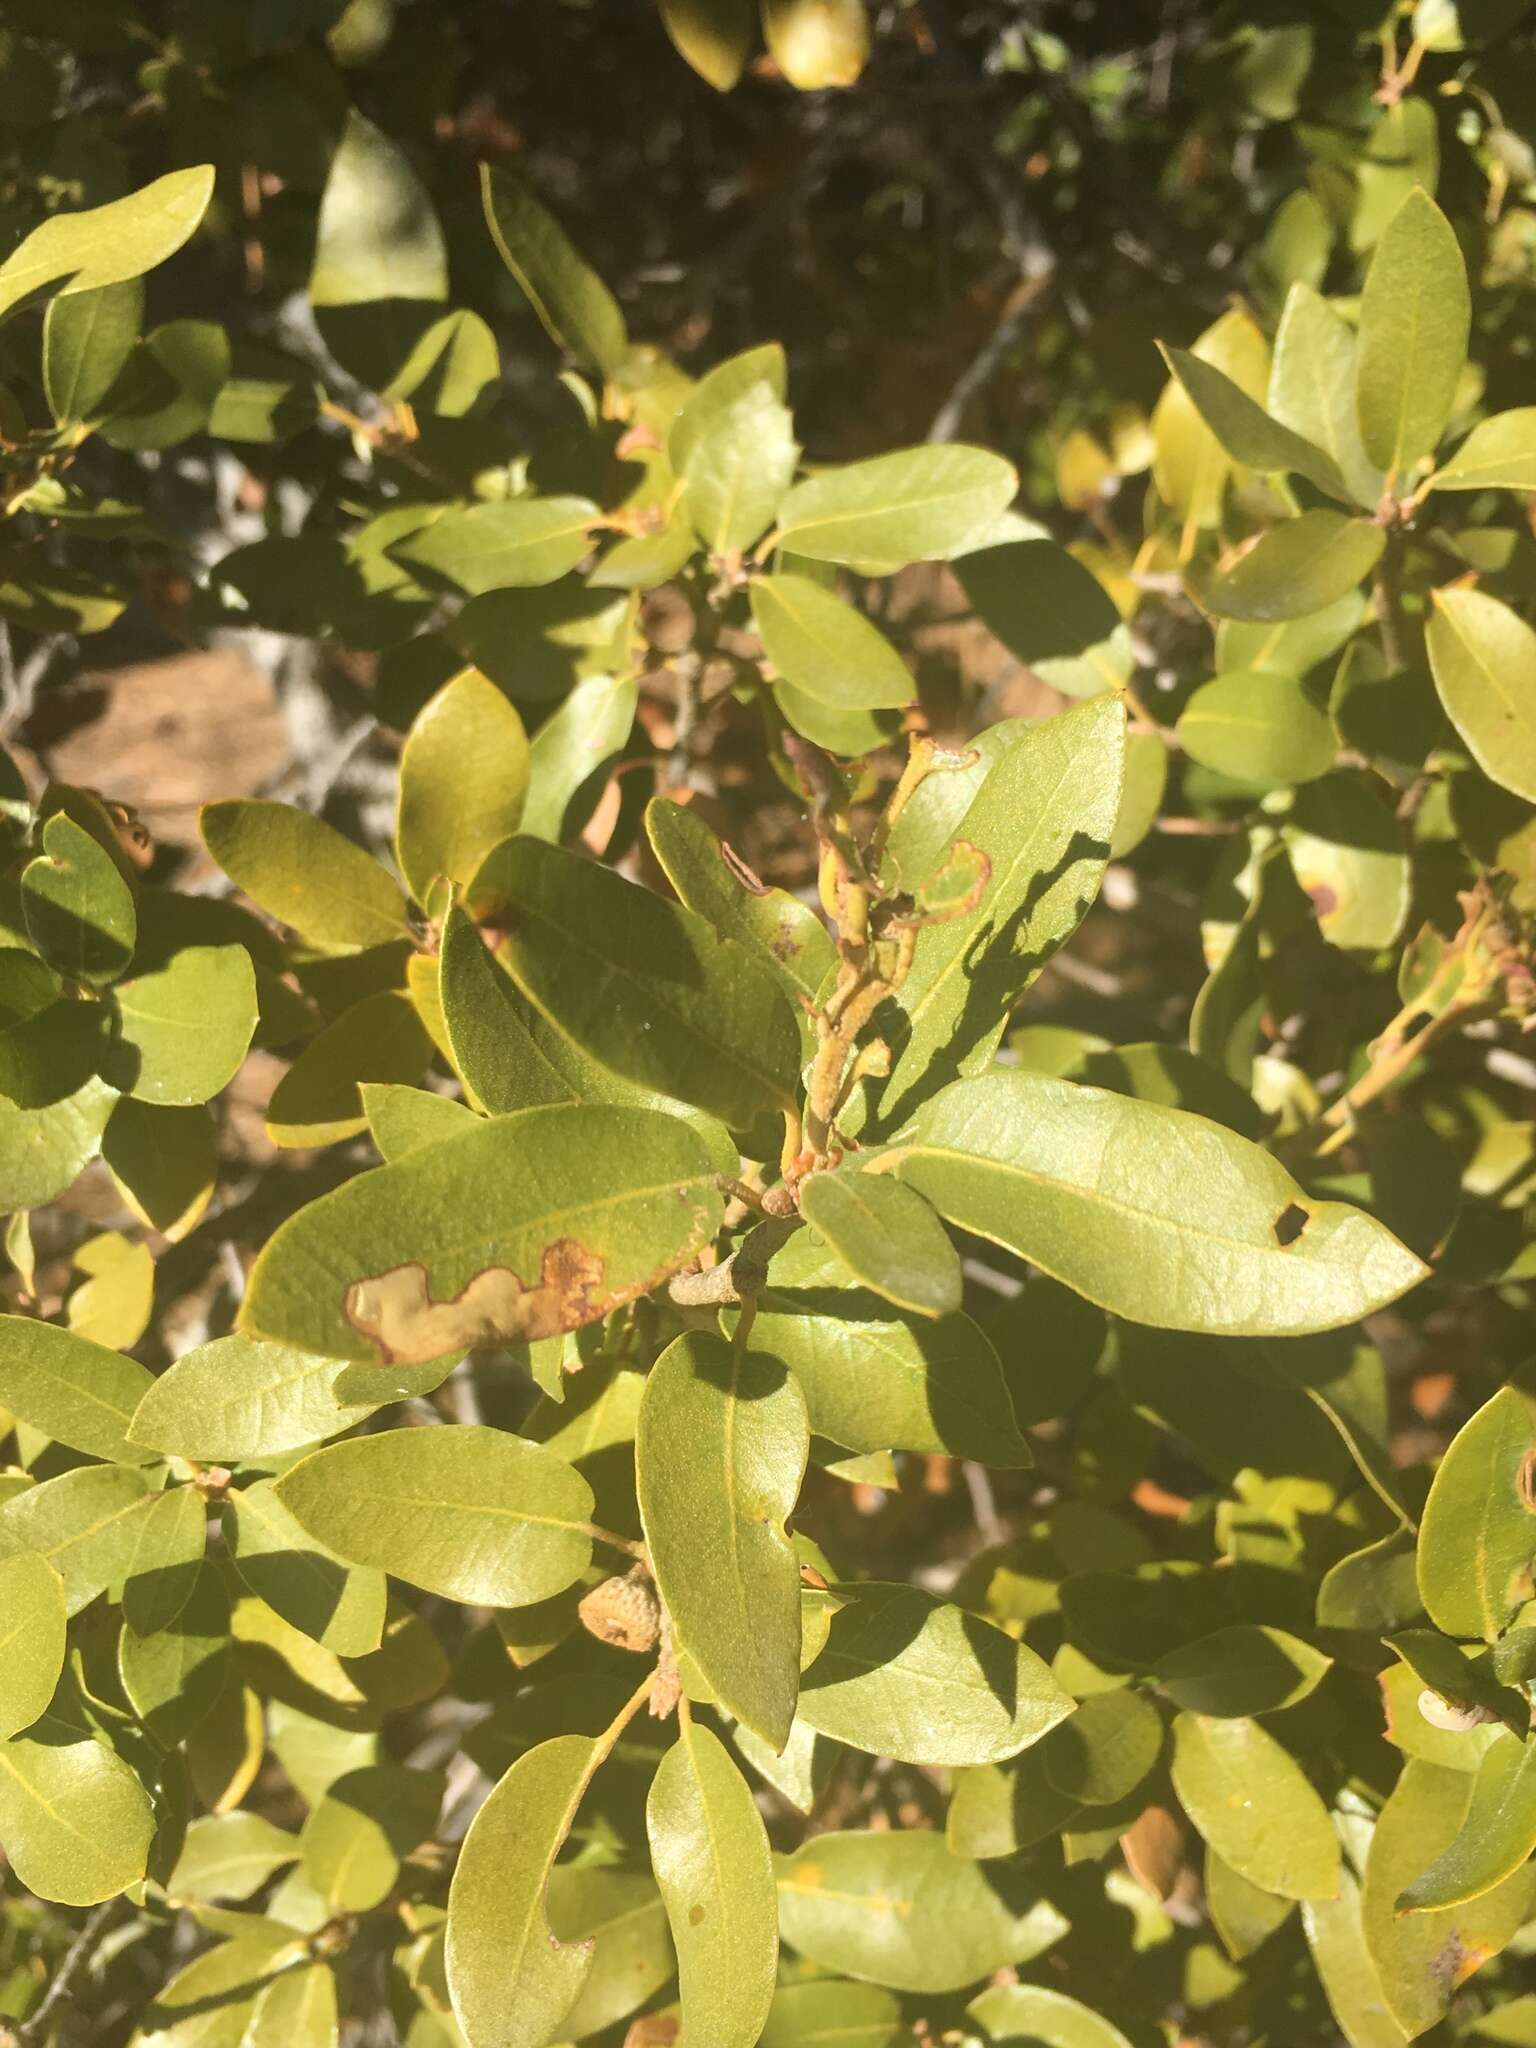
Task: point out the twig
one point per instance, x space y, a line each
983 366
79 1954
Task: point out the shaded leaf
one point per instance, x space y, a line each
339 1607
513 543
79 910
888 1237
578 310
646 986
1241 1670
898 1909
1252 1803
1296 568
182 1030
907 1675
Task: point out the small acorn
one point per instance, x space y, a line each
625 1612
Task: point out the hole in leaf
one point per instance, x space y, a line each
1290 1223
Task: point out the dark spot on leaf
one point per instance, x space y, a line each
1325 900
1525 1482
1290 1223
695 1916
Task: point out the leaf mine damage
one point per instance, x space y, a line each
396 1312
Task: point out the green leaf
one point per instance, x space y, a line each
463 777
31 1639
489 1022
824 647
897 1908
183 1029
1241 1670
621 1912
720 1450
579 312
79 910
828 2014
339 1607
618 1199
1246 430
646 986
781 931
1483 657
402 1119
1243 1915
888 1237
356 1835
1349 853
319 1099
1312 387
1105 1750
511 543
1496 1838
1477 1540
907 1675
380 266
715 37
107 244
164 1163
737 469
212 2003
238 1397
78 1392
174 1677
1048 610
817 43
511 1980
1152 1213
472 1513
172 1535
1257 727
87 338
1037 2017
302 872
1042 817
876 1380
998 1810
1190 467
718 391
229 1856
1498 454
572 746
1253 1804
1414 316
711 1859
75 1822
916 505
1424 1958
1336 1939
168 389
1297 567
298 2009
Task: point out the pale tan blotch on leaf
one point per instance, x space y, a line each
396 1311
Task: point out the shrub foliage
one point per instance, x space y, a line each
780 1346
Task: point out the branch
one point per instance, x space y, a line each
79 1954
